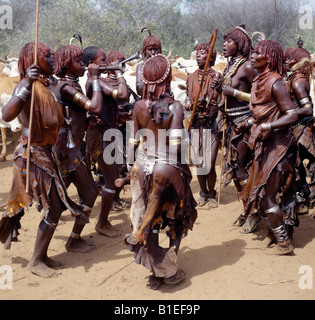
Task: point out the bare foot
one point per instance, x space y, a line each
79 245
42 270
53 263
108 230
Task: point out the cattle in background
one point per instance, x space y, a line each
9 78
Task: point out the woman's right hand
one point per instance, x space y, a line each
240 127
215 81
94 70
32 74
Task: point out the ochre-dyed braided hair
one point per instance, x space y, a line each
242 38
151 41
274 54
63 58
303 60
113 56
288 53
156 76
206 47
27 54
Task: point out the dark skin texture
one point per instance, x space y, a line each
241 81
17 106
207 182
301 88
40 264
122 94
77 69
80 177
109 172
142 120
149 52
244 75
261 63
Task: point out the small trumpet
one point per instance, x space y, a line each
121 66
70 142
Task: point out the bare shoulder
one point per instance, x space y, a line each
176 106
140 108
301 87
249 72
177 110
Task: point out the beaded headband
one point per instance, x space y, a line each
245 32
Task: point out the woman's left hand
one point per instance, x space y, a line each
227 90
254 137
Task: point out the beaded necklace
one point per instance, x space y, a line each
232 68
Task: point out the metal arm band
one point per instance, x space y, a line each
266 126
305 101
87 105
77 97
308 106
23 93
241 95
96 86
114 94
109 191
292 111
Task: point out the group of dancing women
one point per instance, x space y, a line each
259 112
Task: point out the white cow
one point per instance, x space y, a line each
9 77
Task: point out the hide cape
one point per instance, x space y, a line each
274 151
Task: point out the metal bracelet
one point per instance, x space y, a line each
249 123
266 126
114 94
292 111
272 210
23 93
305 101
96 86
77 97
281 234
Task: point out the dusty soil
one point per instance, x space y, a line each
219 261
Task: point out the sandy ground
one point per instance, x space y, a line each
219 261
